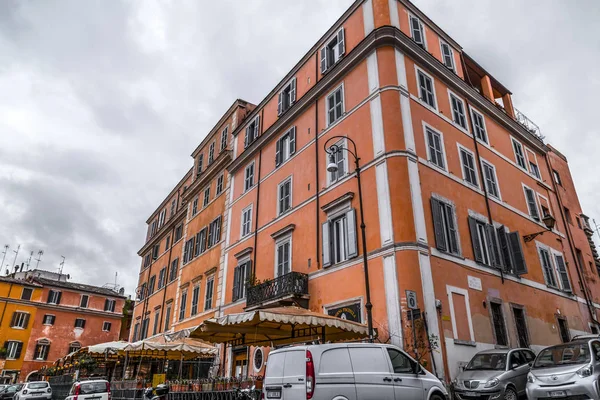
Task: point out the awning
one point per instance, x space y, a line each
276 326
111 347
178 342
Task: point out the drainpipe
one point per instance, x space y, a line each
167 277
318 230
257 199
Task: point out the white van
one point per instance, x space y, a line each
348 371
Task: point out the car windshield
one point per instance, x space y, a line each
488 361
566 354
37 385
14 388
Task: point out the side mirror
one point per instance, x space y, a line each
514 365
530 364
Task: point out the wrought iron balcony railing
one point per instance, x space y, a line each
288 285
528 124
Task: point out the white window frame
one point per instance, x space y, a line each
453 66
330 94
104 326
79 319
247 175
279 210
43 353
219 184
487 136
194 308
441 134
418 71
210 278
462 166
340 240
291 95
422 29
465 293
55 297
537 205
281 241
342 143
337 55
559 281
244 211
205 200
223 141
195 206
451 95
20 319
183 305
11 349
529 155
514 142
211 153
493 167
112 304
542 247
87 303
44 319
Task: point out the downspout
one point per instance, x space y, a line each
164 288
253 268
318 230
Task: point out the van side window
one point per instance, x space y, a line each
275 365
368 359
335 361
401 363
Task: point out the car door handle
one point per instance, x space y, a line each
397 379
287 385
387 379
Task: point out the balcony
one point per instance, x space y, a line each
288 289
528 124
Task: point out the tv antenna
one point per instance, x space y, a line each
16 254
62 265
4 254
29 260
40 254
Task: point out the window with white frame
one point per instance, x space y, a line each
252 131
426 89
246 221
188 250
224 138
447 55
83 302
458 111
161 277
195 206
19 320
13 349
519 154
54 297
417 31
335 105
486 249
214 232
208 298
444 224
249 176
173 208
195 300
183 305
556 176
285 146
201 241
206 198
467 161
339 237
284 196
287 97
435 147
340 158
333 51
79 323
106 326
479 126
283 256
168 316
547 268
199 165
48 319
531 203
241 275
162 216
173 270
151 284
563 275
41 350
219 188
211 153
533 167
109 305
73 347
156 317
491 181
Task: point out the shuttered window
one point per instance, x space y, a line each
563 275
208 298
335 105
252 131
444 223
200 164
417 31
284 196
458 111
287 97
285 146
195 298
479 126
284 256
13 349
224 138
214 232
498 323
447 55
531 203
249 176
491 182
168 317
219 184
426 90
183 305
206 198
485 243
42 348
333 51
80 323
54 297
519 155
19 320
211 153
339 238
241 275
468 167
435 147
173 271
547 268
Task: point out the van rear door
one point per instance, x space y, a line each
372 374
294 375
273 382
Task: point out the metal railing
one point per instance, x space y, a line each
292 283
528 124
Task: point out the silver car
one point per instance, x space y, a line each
566 371
494 374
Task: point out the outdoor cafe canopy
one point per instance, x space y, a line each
277 326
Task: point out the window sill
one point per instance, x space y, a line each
469 343
457 256
18 328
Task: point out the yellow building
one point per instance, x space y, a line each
17 313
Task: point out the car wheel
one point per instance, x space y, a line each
510 394
436 396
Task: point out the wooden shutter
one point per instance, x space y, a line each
477 254
352 237
341 44
278 152
280 103
325 231
562 273
105 304
519 266
438 225
505 253
26 322
452 234
256 126
292 140
19 350
53 318
48 348
324 59
293 91
13 321
218 230
533 211
236 284
58 298
247 136
493 246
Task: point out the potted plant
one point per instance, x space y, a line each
2 353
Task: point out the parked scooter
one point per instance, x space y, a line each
246 394
160 392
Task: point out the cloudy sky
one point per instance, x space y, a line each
102 102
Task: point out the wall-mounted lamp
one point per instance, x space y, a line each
549 221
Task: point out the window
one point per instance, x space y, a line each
106 326
168 316
183 305
417 31
426 90
147 260
284 256
201 241
339 238
333 51
109 305
136 331
219 188
41 350
208 299
563 327
155 328
252 131
521 325
145 324
556 177
435 147
13 350
491 183
161 218
188 251
568 215
340 160
547 268
479 125
531 203
19 320
206 199
195 206
142 291
498 324
578 222
468 167
563 275
285 147
155 251
241 275
54 297
161 277
335 105
519 155
195 297
401 363
246 221
49 319
73 347
178 232
79 323
533 168
173 208
200 164
444 223
85 299
211 153
151 284
458 111
511 258
249 176
287 97
173 271
447 55
214 232
26 294
284 196
485 243
224 138
167 242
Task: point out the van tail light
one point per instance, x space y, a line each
310 375
76 394
108 391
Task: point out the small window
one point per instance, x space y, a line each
206 199
168 317
521 325
214 232
219 188
109 305
199 164
426 89
41 350
333 51
249 176
284 196
479 126
173 271
447 55
491 183
568 215
546 262
195 298
85 299
435 147
335 105
54 297
498 324
468 167
252 131
162 217
48 319
178 232
284 256
458 111
156 317
578 222
26 294
173 208
151 284
195 206
211 153
417 31
80 323
167 242
259 358
444 221
155 251
241 275
519 154
224 138
556 177
246 221
161 277
531 203
287 97
533 168
19 320
73 347
340 159
106 326
183 305
285 147
208 298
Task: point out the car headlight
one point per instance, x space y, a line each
492 383
530 377
586 371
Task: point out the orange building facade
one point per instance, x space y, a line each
459 190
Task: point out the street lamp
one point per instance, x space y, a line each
333 167
549 221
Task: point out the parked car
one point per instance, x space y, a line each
9 392
569 370
2 387
349 371
39 390
495 374
98 389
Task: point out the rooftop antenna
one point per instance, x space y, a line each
597 228
40 254
29 260
16 254
116 274
62 265
4 254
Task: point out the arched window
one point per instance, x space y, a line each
42 348
74 346
259 359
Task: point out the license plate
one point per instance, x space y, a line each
273 394
470 394
558 393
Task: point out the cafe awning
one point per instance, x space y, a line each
173 345
277 326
